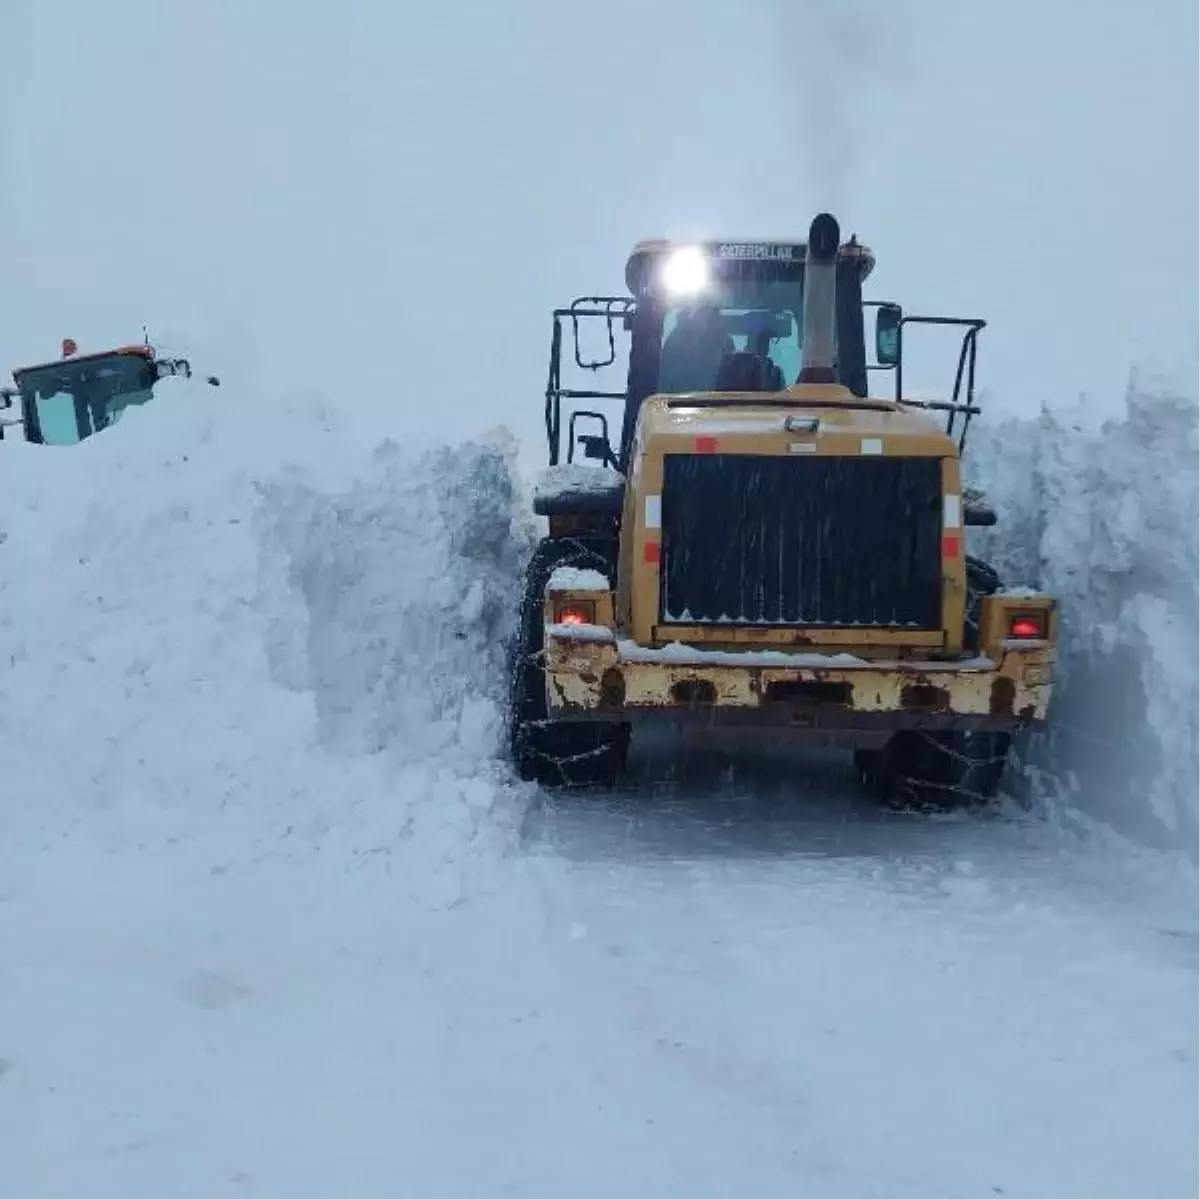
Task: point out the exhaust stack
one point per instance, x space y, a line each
819 320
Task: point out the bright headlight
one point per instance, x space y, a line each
685 271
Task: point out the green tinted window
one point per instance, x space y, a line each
73 399
56 419
119 403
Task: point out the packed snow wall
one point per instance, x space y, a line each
1104 515
247 626
254 615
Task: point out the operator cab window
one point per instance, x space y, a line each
73 401
754 316
56 418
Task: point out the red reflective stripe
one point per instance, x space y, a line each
706 445
951 545
653 553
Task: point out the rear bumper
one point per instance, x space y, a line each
591 676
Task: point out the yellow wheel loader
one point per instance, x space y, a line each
768 541
70 399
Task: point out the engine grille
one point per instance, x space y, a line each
822 541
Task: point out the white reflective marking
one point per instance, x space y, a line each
802 447
872 445
951 511
653 512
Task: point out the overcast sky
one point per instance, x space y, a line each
382 201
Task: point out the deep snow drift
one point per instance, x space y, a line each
275 920
255 617
1104 516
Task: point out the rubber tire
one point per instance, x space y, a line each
869 765
556 753
982 580
941 771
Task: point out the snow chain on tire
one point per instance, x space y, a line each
548 752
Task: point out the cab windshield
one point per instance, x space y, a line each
758 317
68 401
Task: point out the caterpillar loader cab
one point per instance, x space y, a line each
70 399
767 540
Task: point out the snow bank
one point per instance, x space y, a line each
1104 515
567 579
249 672
577 486
251 629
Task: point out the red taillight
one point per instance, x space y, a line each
1027 626
574 612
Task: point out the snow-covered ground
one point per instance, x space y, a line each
275 920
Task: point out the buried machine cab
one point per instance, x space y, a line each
767 543
70 399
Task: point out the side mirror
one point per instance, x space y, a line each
595 446
213 381
977 508
7 396
887 334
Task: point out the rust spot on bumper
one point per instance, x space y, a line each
811 692
693 692
924 697
1004 692
592 678
612 688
